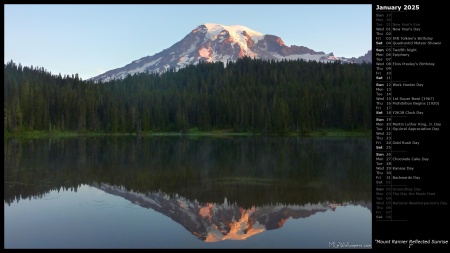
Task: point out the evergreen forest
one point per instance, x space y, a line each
249 95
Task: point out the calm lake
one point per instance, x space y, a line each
184 192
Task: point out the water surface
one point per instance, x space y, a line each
180 192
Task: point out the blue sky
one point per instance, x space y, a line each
92 39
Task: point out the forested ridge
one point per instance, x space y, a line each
258 96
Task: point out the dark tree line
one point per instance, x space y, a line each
247 95
247 170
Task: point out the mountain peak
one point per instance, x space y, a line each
212 42
237 32
237 29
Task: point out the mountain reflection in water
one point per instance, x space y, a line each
218 189
211 222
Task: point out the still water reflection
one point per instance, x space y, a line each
179 192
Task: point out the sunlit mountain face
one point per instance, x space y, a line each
211 42
212 222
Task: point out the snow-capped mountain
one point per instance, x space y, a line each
214 42
211 222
